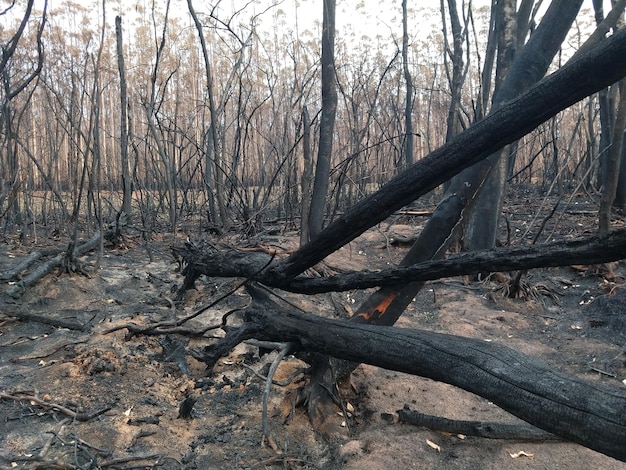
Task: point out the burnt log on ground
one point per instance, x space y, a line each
589 414
581 251
64 259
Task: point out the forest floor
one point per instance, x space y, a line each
573 319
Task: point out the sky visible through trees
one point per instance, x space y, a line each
264 60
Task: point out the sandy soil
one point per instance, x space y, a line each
574 321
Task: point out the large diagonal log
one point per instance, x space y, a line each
587 413
601 66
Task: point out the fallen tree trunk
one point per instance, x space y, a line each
27 262
17 289
589 250
586 413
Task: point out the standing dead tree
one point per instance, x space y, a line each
12 86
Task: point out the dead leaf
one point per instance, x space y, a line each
522 453
433 445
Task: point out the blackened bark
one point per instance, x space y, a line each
126 179
613 163
620 194
307 176
489 430
327 123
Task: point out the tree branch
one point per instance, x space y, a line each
588 250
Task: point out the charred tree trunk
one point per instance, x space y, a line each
126 178
586 251
408 103
307 176
613 163
327 124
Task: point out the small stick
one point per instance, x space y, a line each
268 386
603 372
82 417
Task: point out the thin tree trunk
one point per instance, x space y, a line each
606 112
327 124
150 115
482 108
456 80
613 163
408 106
97 133
213 178
307 176
126 178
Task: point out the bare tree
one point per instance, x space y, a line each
9 68
456 78
150 105
408 104
126 177
613 162
307 175
329 109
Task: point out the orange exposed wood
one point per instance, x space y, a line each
378 310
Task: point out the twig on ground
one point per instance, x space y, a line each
490 430
266 393
278 459
82 417
283 383
175 326
602 372
46 447
135 458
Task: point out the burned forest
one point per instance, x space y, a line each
330 236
